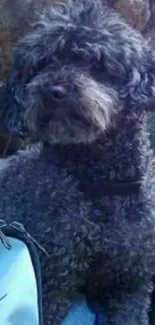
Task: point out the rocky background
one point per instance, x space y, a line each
16 17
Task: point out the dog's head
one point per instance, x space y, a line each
77 69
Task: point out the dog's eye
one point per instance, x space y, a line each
58 92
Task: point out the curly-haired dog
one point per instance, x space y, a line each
85 81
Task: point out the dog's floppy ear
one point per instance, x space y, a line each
127 59
139 88
29 55
9 112
134 66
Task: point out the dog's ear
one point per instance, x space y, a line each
126 58
9 112
131 64
139 88
29 55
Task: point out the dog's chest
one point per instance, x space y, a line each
111 228
86 221
79 230
110 235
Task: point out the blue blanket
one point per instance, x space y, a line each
80 314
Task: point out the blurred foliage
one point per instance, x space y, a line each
8 144
151 127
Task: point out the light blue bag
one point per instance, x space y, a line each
20 278
21 285
20 282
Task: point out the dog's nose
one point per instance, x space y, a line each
58 92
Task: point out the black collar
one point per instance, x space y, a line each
97 190
119 188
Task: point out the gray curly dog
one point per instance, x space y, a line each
83 82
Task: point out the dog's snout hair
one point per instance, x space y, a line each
101 100
88 107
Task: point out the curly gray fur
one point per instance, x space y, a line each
85 80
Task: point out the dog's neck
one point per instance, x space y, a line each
120 156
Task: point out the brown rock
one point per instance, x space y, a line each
149 32
15 21
5 52
136 12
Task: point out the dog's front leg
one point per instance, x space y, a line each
55 309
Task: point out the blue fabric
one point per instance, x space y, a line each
18 292
100 318
80 314
18 289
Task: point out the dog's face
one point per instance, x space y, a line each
75 72
67 105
